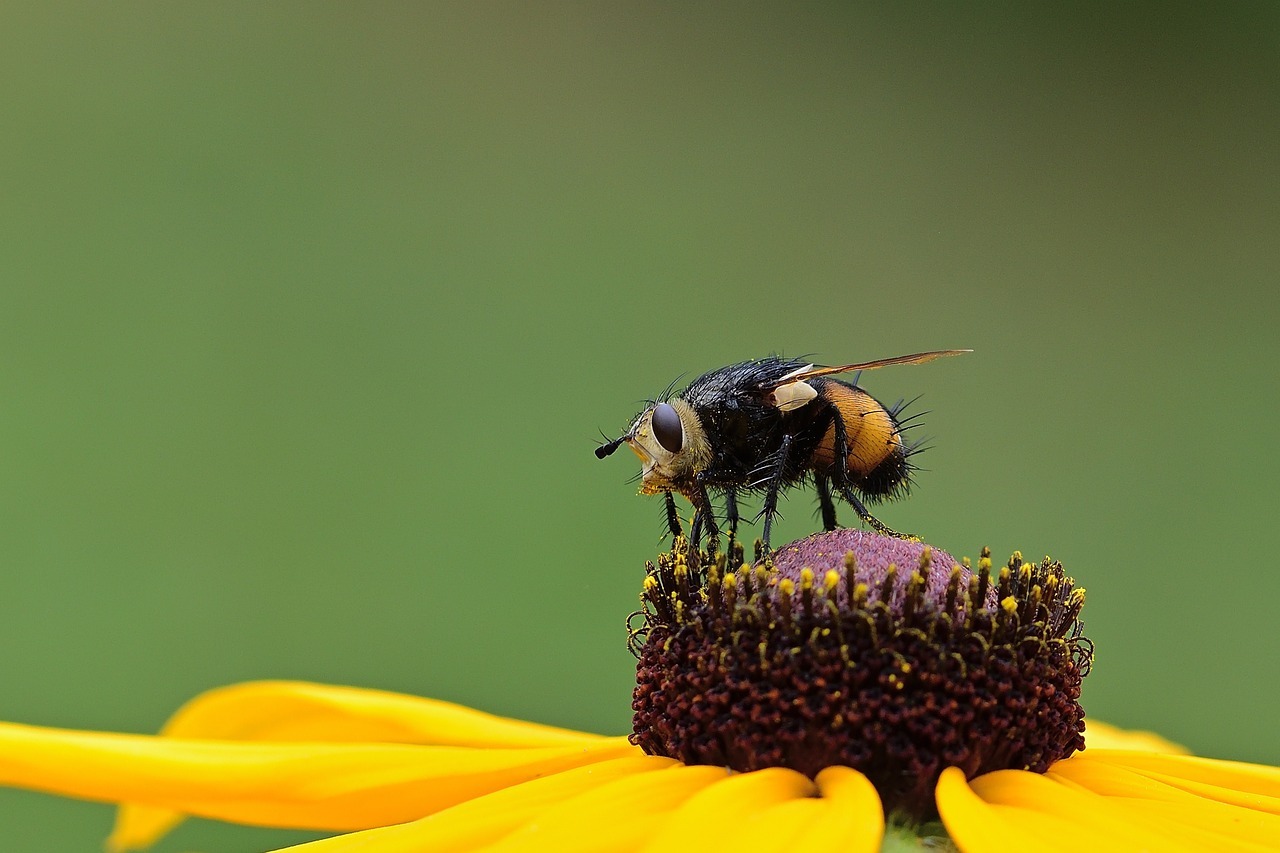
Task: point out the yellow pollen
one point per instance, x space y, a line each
650 583
1009 605
806 578
1077 596
786 586
730 581
964 561
831 579
984 563
926 557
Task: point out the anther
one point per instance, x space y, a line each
831 583
890 580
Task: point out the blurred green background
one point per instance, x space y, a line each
311 314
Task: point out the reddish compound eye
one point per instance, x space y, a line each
667 427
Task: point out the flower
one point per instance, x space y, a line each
399 773
827 653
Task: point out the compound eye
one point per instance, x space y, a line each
667 427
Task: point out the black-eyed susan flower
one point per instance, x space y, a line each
852 692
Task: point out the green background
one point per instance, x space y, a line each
310 315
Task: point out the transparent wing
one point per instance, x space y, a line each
810 371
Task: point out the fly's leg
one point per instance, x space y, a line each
874 523
673 516
840 476
839 470
705 517
823 485
731 515
772 484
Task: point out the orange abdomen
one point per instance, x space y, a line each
870 432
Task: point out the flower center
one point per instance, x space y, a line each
861 650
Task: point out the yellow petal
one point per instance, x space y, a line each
1103 736
299 710
321 786
854 819
978 827
772 829
1083 820
615 816
1148 800
1100 777
303 711
1100 774
706 821
138 826
1210 826
1053 832
1235 776
482 820
1244 799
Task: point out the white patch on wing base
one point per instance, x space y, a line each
791 396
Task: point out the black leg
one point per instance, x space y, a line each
823 485
706 517
840 476
673 516
773 482
840 469
874 523
695 530
731 514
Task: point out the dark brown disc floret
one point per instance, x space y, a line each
851 648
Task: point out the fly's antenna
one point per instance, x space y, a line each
608 447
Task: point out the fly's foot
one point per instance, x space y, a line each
884 530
